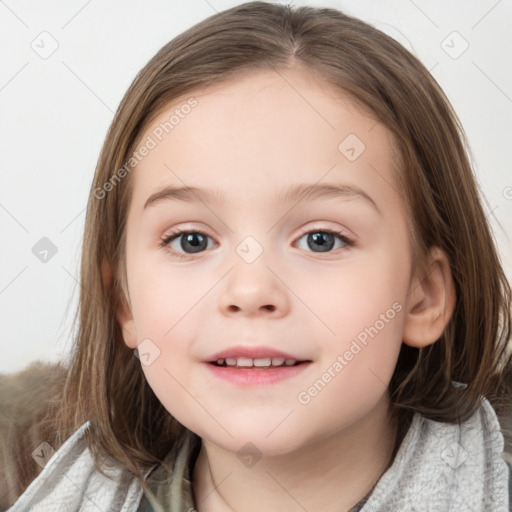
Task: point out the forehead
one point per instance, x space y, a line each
260 131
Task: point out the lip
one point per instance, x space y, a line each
260 352
257 376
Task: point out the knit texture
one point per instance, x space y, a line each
443 467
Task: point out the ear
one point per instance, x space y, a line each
125 318
123 312
430 302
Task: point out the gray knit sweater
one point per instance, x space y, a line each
438 468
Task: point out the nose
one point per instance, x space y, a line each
254 290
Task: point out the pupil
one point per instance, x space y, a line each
194 244
325 240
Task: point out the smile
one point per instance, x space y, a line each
247 362
256 372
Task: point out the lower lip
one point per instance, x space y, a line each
257 377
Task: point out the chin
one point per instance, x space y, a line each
248 438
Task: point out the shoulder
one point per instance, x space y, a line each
457 461
70 481
482 438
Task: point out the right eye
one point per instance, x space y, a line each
195 241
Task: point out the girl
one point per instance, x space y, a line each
223 360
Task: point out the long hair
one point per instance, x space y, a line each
105 383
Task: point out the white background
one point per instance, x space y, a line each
56 112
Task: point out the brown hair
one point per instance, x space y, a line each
105 383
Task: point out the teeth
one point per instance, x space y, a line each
260 363
244 361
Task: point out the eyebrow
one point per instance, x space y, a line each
301 192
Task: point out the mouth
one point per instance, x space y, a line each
249 373
267 363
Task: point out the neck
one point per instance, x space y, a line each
330 474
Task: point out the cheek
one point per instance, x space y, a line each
167 311
363 310
354 372
355 295
163 296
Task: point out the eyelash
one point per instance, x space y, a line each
176 234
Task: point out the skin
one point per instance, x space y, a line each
253 137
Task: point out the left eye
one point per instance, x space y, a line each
325 239
194 242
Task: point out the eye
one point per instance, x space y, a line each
193 241
325 239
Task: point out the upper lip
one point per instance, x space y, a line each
260 352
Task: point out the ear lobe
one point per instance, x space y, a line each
123 311
125 318
430 302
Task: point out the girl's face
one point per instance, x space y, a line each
261 269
